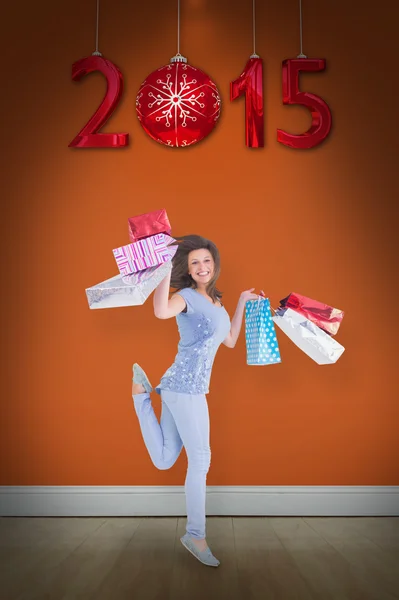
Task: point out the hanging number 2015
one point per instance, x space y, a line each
249 84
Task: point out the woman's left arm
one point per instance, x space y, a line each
236 322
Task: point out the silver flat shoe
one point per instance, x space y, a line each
139 376
205 556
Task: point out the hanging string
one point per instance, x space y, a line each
254 55
301 54
178 57
97 52
178 26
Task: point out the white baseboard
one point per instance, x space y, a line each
169 501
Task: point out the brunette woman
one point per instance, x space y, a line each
204 325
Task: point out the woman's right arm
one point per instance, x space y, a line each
163 307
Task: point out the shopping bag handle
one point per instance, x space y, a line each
257 308
255 312
262 295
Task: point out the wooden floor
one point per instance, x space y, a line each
287 558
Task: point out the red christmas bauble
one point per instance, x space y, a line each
178 105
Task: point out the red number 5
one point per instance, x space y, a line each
321 114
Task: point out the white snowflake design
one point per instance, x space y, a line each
138 98
172 103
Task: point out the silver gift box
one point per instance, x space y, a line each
127 290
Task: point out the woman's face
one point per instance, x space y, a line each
201 265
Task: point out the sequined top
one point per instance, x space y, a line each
202 329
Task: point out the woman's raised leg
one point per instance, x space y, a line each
162 439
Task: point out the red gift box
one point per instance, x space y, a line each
326 317
148 224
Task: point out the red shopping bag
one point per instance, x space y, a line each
324 316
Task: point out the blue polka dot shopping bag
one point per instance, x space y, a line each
260 334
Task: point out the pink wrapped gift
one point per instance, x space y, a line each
145 253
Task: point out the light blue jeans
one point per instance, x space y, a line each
184 421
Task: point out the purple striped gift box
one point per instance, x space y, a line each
145 253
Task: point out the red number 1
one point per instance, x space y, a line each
88 136
250 83
321 114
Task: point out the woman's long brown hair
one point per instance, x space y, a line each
180 278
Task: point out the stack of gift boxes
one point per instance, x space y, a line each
142 264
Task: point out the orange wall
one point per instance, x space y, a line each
320 222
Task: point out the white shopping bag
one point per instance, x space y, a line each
128 290
312 340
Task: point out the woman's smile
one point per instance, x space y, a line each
201 266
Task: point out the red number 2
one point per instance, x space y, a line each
250 82
321 114
88 136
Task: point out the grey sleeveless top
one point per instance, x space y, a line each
202 327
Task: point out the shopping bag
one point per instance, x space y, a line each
312 340
129 290
149 224
324 316
260 334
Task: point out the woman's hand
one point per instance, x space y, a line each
249 295
236 322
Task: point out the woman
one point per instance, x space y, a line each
203 325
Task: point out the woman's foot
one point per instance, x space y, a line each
141 382
205 556
137 388
200 544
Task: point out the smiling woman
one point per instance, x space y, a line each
203 325
197 265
